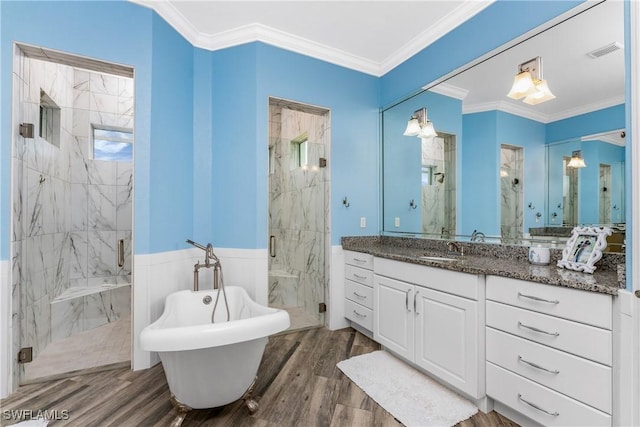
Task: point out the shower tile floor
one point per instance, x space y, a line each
104 345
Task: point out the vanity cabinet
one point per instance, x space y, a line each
549 352
431 317
358 291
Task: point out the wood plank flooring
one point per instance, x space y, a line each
298 385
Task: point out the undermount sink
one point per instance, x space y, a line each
440 258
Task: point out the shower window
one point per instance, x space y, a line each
49 119
299 152
112 144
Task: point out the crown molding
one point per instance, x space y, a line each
588 108
611 137
262 33
527 113
450 21
269 35
506 107
449 90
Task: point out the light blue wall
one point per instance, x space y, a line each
488 30
402 156
480 183
243 79
171 186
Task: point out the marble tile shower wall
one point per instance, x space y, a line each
55 243
297 210
512 194
438 197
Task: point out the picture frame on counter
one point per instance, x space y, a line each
584 248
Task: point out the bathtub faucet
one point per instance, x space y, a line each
209 256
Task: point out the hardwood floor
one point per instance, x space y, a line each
298 385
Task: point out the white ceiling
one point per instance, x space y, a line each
366 35
375 36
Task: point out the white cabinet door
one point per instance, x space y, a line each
393 324
447 338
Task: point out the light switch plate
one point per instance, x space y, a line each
363 222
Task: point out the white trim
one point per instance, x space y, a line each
633 262
452 20
527 113
449 90
336 304
606 137
263 33
506 107
6 343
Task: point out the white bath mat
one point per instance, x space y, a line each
410 396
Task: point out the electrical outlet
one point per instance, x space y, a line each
363 222
397 221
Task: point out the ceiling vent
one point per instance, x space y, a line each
604 50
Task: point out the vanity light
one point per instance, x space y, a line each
418 125
576 160
529 83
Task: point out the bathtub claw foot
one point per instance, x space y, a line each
252 405
181 410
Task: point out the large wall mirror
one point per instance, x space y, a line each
498 169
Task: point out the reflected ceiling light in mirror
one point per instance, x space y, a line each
529 83
577 161
418 125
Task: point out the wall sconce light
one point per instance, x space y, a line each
576 160
529 83
418 125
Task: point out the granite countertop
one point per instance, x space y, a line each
491 259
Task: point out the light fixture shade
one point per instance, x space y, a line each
427 130
413 127
522 86
541 94
576 160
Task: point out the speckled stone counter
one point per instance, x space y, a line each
491 259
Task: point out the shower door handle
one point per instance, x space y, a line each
272 246
121 253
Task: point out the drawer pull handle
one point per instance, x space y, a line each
534 406
357 276
535 365
359 260
359 315
538 298
415 297
359 296
406 300
522 325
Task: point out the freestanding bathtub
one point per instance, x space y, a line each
211 364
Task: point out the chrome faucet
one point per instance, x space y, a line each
208 257
477 236
453 247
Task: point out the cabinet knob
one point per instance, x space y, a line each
637 292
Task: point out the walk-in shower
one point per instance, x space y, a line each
298 210
72 187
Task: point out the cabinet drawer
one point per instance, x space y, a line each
522 394
359 259
582 306
359 314
576 338
581 379
452 282
359 293
359 275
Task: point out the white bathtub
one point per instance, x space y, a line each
211 364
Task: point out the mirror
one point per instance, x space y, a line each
502 163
